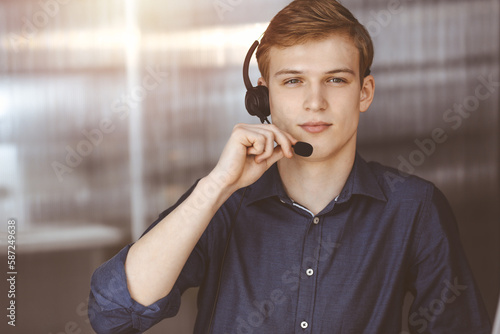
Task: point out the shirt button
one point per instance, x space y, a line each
316 220
304 324
309 272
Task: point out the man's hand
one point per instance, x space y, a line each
249 152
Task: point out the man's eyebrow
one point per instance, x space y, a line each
287 71
295 72
341 70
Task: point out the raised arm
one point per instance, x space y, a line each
249 152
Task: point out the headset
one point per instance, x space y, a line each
257 103
256 98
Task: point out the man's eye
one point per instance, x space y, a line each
337 80
292 81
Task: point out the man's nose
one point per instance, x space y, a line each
315 98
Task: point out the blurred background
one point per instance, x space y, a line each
111 109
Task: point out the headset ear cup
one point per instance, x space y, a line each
251 102
264 100
257 102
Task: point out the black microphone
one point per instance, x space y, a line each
303 149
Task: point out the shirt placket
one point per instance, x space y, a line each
308 276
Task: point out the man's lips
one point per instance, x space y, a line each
315 127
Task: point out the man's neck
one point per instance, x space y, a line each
315 184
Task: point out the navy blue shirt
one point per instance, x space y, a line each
345 270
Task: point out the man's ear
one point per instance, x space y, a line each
367 93
261 82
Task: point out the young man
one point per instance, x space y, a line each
280 243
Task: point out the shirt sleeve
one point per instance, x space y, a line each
446 298
112 309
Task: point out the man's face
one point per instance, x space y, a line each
315 93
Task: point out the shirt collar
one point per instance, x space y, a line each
361 181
